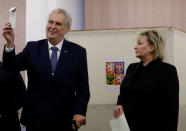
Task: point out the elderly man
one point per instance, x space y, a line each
58 89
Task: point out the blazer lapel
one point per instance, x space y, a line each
65 50
44 59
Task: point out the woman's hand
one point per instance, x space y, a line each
118 110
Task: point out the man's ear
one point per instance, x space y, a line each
68 29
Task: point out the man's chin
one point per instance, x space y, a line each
51 37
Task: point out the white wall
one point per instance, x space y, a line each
35 19
180 63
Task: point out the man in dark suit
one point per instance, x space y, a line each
12 96
58 89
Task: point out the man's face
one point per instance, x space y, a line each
56 28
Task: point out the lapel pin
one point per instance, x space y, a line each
66 51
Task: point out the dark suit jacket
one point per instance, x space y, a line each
55 98
150 96
12 96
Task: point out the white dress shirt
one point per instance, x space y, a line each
59 46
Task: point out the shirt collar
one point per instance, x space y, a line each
59 45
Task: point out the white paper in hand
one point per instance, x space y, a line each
13 17
119 124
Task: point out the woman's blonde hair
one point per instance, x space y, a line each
155 39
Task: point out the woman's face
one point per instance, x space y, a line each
142 48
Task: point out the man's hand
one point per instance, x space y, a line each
118 110
8 34
80 120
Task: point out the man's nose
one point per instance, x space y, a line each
53 25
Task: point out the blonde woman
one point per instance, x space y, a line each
149 93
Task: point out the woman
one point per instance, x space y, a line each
149 93
12 95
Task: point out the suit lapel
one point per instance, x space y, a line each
65 51
44 59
